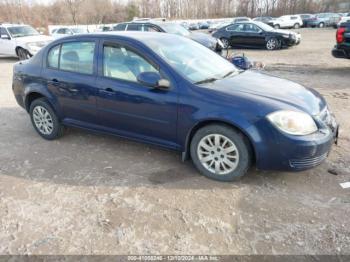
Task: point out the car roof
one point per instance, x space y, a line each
126 35
12 25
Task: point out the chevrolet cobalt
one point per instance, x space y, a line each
172 92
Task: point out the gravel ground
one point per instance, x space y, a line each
96 194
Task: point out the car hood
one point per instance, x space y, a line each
271 90
34 39
203 39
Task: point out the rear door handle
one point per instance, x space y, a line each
54 82
109 90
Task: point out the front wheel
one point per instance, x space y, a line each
221 153
272 44
277 26
296 26
23 54
225 42
44 119
321 25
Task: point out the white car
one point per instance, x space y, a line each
66 31
344 19
22 41
288 21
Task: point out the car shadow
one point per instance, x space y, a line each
8 59
82 158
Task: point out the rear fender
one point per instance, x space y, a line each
36 88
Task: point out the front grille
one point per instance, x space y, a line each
307 162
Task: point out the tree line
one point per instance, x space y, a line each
112 11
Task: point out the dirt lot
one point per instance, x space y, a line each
95 194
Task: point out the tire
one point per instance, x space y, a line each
296 26
45 120
277 26
23 54
223 166
321 25
225 42
272 44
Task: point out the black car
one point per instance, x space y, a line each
265 19
306 18
256 34
172 28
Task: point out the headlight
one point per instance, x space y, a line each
293 122
35 46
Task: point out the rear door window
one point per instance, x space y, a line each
77 57
120 27
73 57
134 27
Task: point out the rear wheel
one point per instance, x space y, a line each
272 44
221 153
277 26
23 54
44 119
225 42
321 25
297 25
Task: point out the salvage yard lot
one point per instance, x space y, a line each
97 194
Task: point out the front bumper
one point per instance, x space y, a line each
284 152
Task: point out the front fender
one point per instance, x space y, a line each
239 123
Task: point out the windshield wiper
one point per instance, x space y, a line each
207 80
229 73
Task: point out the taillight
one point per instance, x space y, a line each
340 35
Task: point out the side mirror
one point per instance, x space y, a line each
5 37
153 79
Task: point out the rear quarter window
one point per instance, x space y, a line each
53 57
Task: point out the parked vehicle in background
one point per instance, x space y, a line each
324 20
256 34
169 91
306 18
22 41
215 26
172 28
344 19
342 48
193 26
241 19
288 21
265 19
203 25
185 25
66 31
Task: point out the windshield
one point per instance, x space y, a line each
78 30
264 26
20 31
175 29
192 60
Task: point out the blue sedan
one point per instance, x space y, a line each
172 92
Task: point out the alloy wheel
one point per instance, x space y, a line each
43 120
218 154
225 42
271 44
